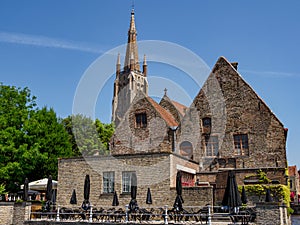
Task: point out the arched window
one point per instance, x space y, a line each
186 149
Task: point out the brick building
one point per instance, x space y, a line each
294 184
227 127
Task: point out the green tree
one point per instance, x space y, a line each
2 189
31 139
105 132
46 134
88 137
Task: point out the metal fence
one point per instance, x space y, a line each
201 215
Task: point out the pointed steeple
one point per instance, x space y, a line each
118 65
145 66
132 49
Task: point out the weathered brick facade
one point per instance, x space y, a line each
228 127
234 108
154 171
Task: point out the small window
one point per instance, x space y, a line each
140 120
241 144
126 181
211 146
206 122
206 125
108 182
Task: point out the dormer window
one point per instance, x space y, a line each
140 120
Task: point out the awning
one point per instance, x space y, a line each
41 185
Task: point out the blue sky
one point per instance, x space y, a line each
48 45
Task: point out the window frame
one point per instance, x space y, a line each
108 179
241 144
206 125
211 145
204 122
126 184
140 120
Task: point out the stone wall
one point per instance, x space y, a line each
152 171
219 180
12 213
6 213
167 104
21 213
271 214
235 108
155 137
197 196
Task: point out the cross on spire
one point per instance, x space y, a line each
165 90
132 49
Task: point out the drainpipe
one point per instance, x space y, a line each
173 129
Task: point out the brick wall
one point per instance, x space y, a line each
219 179
234 108
131 140
271 214
6 213
152 171
167 104
21 213
12 213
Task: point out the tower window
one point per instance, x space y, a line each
140 120
211 146
241 144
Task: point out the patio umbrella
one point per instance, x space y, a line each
115 200
149 198
268 196
179 200
86 193
40 185
25 194
73 199
49 193
49 189
53 198
244 197
232 197
133 206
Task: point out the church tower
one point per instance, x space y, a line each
131 80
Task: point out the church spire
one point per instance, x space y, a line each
145 66
132 50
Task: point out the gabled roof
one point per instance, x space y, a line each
292 170
165 115
221 62
180 107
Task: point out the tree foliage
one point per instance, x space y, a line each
88 137
31 139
